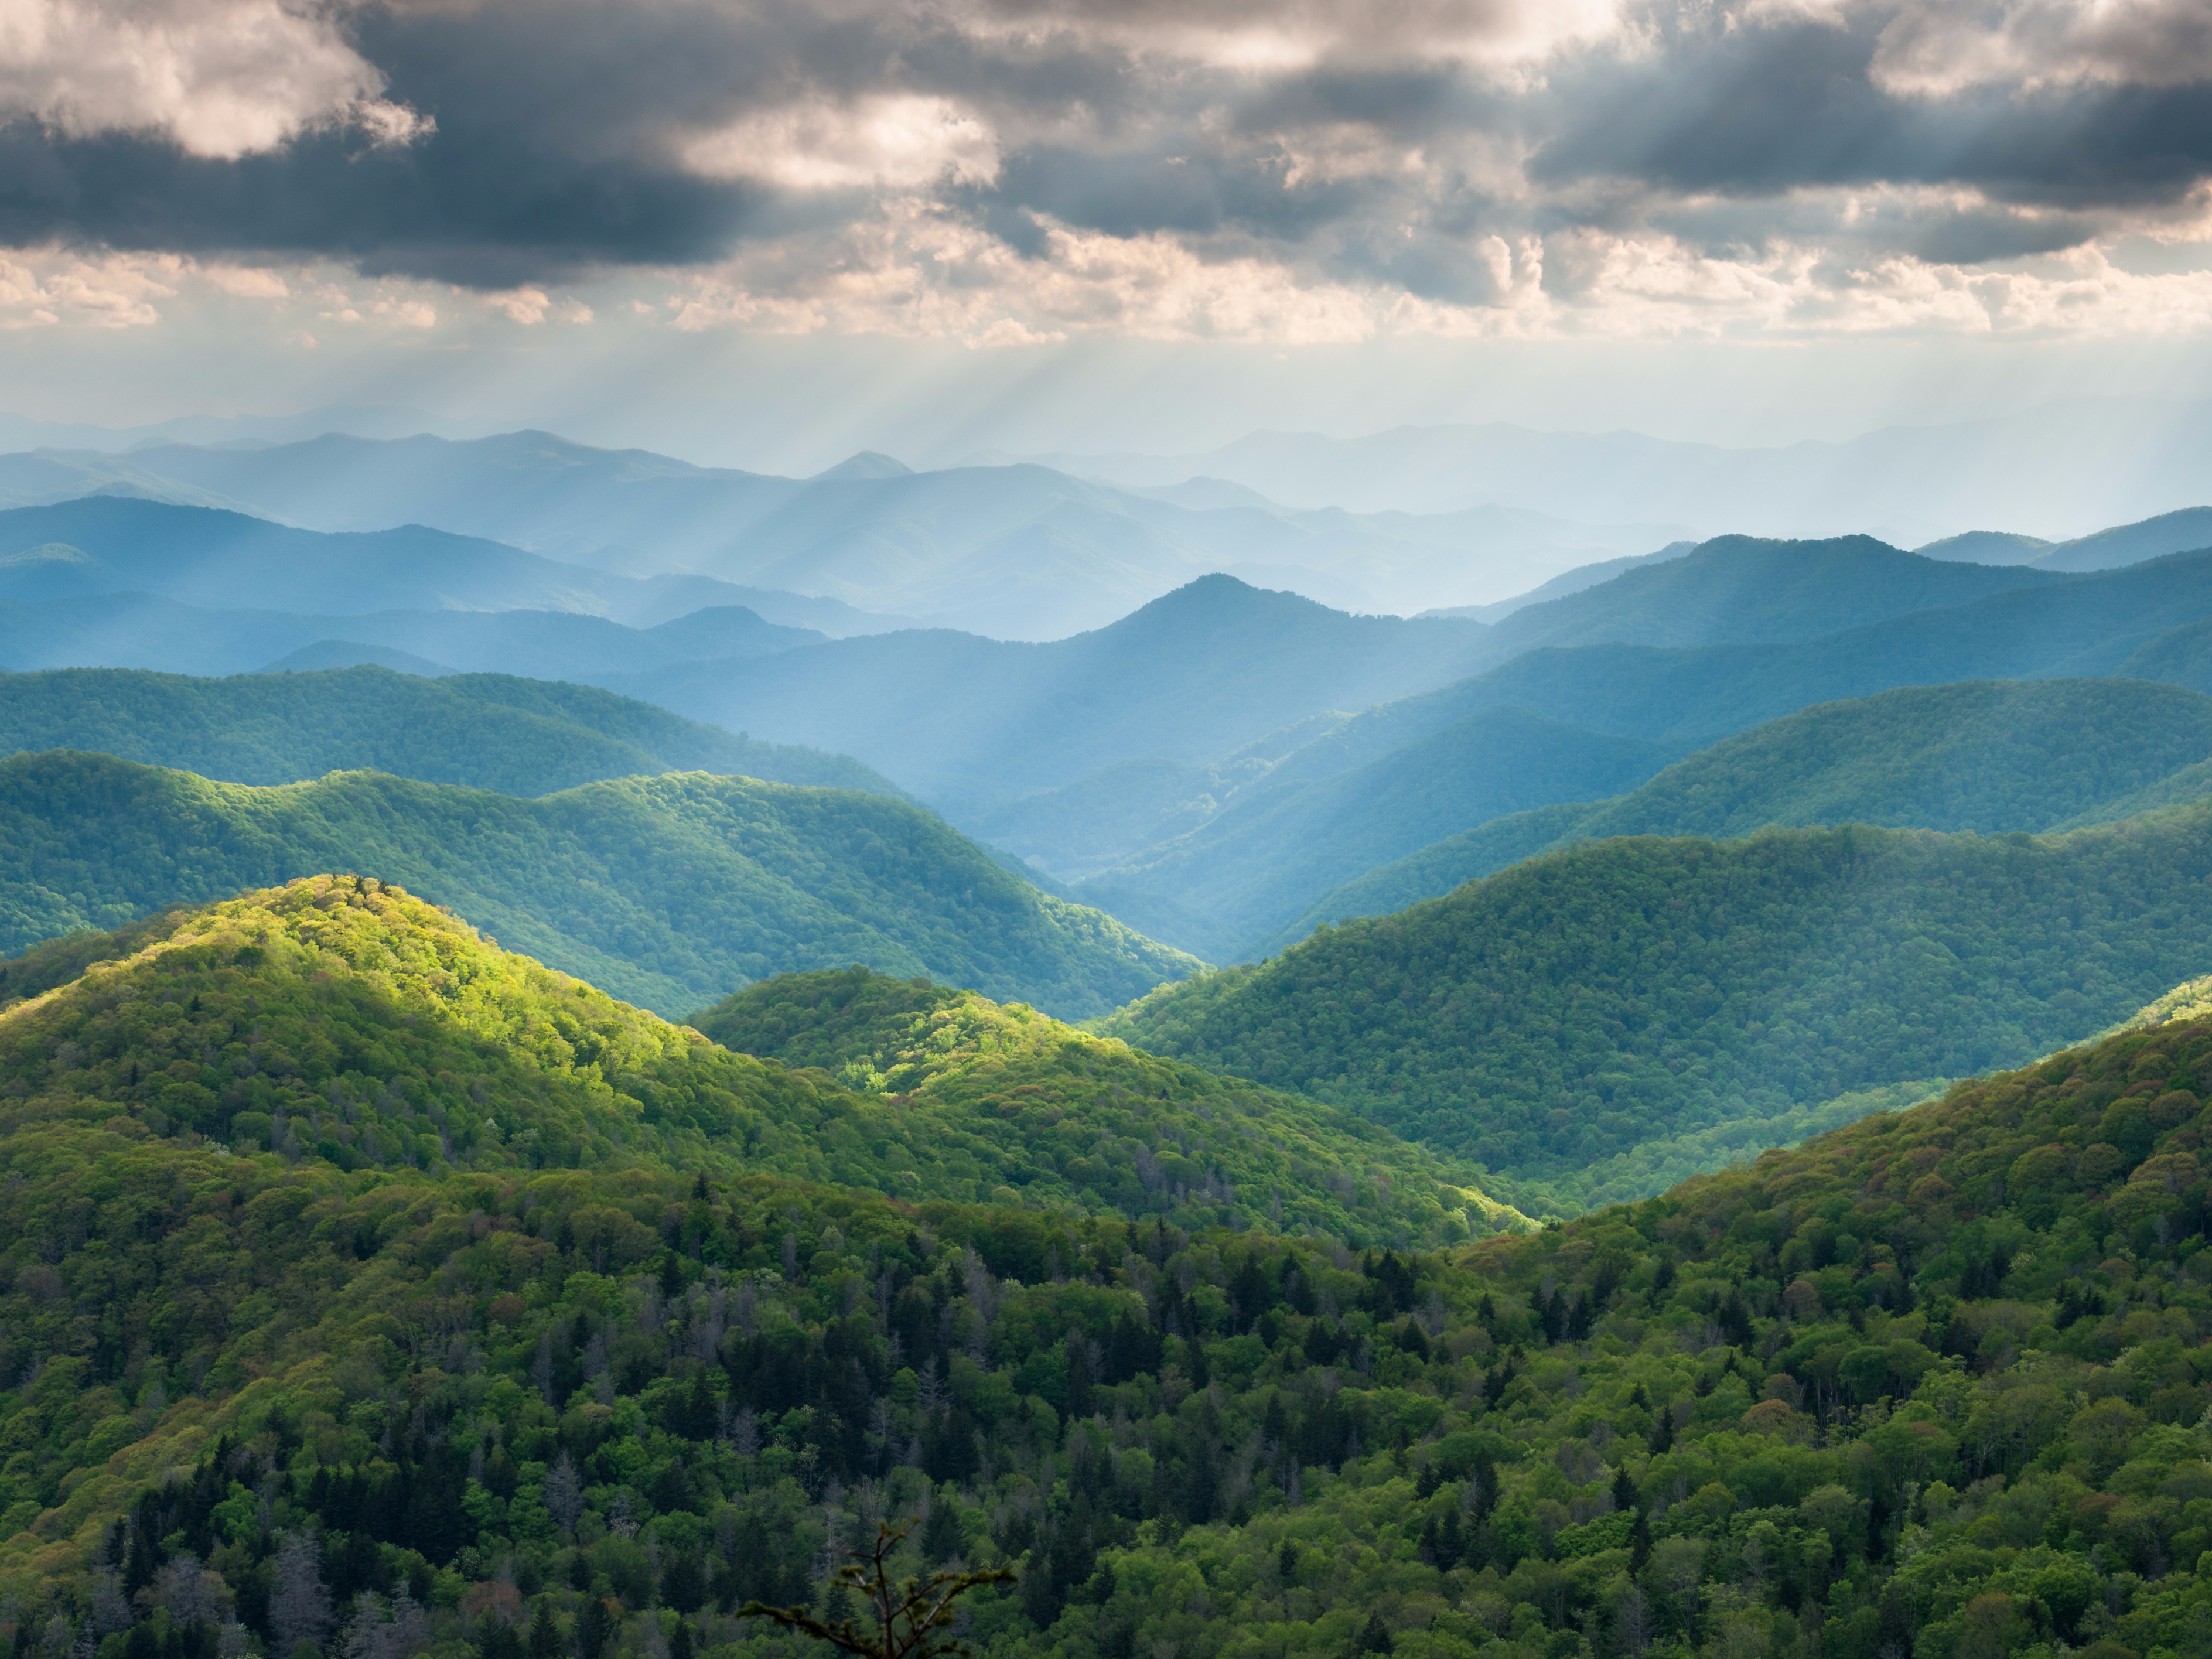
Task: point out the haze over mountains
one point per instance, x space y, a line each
2060 470
1016 553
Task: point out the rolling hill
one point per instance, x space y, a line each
1976 756
388 1035
1100 1126
1935 1376
518 737
669 891
1587 1020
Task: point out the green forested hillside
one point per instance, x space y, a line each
1977 754
519 737
1103 1124
352 1021
1933 1384
1570 1019
669 891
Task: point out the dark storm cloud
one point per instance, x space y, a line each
560 135
1758 112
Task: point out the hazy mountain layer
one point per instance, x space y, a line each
669 891
969 721
518 737
2090 624
1738 589
1266 858
226 560
1013 552
1125 817
1569 1018
2055 471
1982 756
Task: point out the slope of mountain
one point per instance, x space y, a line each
2090 624
1101 1126
1015 552
1263 859
971 721
2188 531
542 1071
488 731
1733 587
220 559
1980 756
139 630
1569 581
1976 754
1572 1014
669 890
325 654
1737 588
1989 547
1933 1383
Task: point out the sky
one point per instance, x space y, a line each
770 234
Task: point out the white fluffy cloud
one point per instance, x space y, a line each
221 78
898 141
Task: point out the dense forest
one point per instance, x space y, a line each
519 737
1572 1018
1094 1124
668 891
1933 1384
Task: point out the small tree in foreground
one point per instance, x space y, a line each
902 1620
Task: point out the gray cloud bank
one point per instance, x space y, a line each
1442 150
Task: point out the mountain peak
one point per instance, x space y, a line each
868 463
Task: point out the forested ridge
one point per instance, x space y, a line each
520 736
1122 1131
669 892
1990 756
1565 1019
1934 1383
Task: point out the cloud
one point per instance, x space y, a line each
1002 171
46 288
1943 48
902 141
217 78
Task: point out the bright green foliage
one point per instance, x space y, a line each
1105 1128
489 731
1936 1383
1980 755
669 891
344 1020
1556 1017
